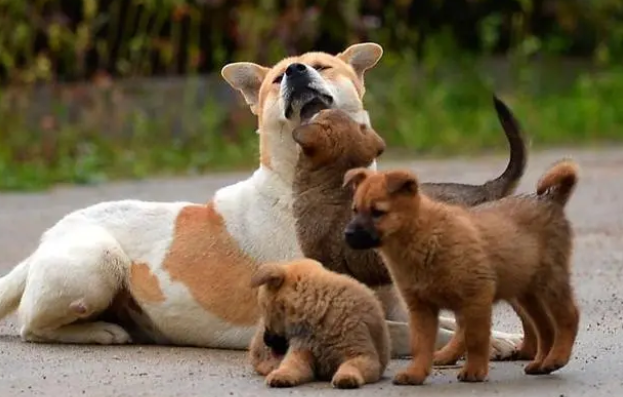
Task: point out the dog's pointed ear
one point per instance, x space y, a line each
355 176
401 182
247 78
309 137
270 274
362 56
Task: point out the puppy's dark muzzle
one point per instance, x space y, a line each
359 238
277 343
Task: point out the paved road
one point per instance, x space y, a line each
61 370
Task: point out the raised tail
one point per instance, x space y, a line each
507 182
559 182
12 287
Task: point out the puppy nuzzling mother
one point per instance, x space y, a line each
179 272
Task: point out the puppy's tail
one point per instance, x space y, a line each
559 182
12 287
507 182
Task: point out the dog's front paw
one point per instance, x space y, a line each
267 366
282 378
505 346
109 334
411 376
473 373
347 380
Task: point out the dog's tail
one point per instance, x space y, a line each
507 182
559 182
12 287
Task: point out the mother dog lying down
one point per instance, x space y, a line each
179 273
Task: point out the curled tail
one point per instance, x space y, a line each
559 182
506 183
12 287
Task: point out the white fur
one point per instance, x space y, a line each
83 260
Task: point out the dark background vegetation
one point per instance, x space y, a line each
92 90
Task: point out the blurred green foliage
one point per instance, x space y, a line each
94 90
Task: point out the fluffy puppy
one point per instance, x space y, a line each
333 326
443 256
333 143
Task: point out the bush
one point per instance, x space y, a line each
98 90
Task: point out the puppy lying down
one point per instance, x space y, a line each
332 323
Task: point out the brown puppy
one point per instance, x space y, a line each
464 259
331 144
333 324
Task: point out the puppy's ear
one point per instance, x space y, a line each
355 176
362 57
247 78
401 182
270 274
376 141
309 137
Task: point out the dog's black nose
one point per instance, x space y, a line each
360 239
296 69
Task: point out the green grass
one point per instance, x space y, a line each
440 113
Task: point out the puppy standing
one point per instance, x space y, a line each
333 143
334 326
447 257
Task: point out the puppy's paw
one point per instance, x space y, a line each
534 368
281 378
267 366
473 373
411 376
347 380
552 364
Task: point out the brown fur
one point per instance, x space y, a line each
464 259
334 326
234 269
331 144
144 285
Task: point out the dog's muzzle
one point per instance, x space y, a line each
277 343
300 96
360 238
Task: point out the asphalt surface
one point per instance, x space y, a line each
62 370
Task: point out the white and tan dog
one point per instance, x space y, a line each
179 273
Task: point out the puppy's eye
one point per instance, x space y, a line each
278 79
320 68
355 210
376 213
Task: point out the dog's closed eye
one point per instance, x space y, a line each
321 67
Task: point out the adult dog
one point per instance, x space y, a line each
179 272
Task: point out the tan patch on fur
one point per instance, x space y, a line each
144 285
206 259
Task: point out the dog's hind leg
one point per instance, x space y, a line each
355 372
72 279
453 350
566 318
537 312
